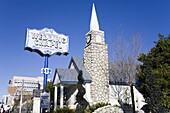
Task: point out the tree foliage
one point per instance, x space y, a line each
50 88
155 75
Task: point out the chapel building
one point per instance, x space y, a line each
98 80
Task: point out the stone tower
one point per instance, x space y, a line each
96 61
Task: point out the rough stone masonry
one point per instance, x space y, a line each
96 63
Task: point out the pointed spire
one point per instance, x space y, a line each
94 25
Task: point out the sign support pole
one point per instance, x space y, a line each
45 71
45 74
53 43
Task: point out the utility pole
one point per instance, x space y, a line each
21 96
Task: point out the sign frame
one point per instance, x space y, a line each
46 42
45 100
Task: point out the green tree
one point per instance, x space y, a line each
155 75
50 88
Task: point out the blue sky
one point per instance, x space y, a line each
72 18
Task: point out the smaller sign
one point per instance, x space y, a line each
45 70
45 100
37 92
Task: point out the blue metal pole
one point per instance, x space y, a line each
45 75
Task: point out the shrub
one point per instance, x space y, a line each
95 106
64 110
89 110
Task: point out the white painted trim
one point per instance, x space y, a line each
55 98
88 94
61 95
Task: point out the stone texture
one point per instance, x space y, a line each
96 63
109 109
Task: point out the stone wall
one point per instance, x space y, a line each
96 63
109 109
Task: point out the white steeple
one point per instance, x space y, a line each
94 25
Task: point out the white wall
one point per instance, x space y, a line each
88 94
71 101
116 92
36 105
122 92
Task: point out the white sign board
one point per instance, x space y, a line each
46 42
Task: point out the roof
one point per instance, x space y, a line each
70 76
79 64
66 76
116 77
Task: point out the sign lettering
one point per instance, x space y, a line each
47 41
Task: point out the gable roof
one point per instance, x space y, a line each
70 76
66 76
78 62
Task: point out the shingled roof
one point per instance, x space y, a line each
69 76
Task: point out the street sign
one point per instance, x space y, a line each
46 42
37 92
45 100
